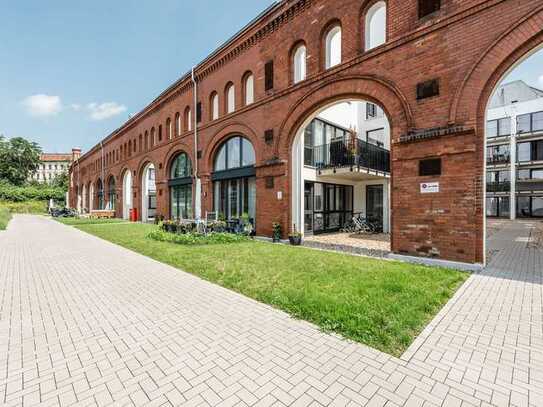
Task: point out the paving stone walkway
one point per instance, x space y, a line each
86 323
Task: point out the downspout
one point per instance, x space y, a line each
198 189
103 172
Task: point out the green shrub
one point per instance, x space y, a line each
31 192
5 217
30 207
193 239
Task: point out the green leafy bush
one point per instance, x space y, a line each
5 217
30 207
193 239
30 192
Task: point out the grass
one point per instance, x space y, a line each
88 221
5 217
382 304
30 207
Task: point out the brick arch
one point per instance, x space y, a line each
370 88
511 47
223 134
172 153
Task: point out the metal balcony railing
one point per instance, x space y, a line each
348 153
499 158
498 186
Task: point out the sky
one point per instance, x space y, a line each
71 72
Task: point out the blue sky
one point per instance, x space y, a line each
71 71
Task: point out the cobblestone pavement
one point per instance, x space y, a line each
84 322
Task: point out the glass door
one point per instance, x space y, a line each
374 204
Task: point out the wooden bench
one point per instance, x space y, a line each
102 214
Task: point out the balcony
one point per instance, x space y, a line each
498 186
503 158
354 154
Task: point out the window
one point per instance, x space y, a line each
249 89
160 133
230 94
99 194
427 89
427 7
524 152
234 186
177 124
169 128
300 63
524 124
498 128
430 167
537 121
376 137
112 195
333 47
180 184
146 140
268 76
498 207
214 102
153 137
530 207
188 119
181 167
375 27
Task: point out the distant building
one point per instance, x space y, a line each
515 152
53 164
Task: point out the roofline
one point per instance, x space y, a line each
265 13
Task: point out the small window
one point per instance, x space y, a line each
427 7
333 47
199 112
430 167
214 106
230 98
188 119
300 63
249 88
169 129
376 25
177 124
268 76
428 89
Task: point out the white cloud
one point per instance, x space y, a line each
541 80
105 110
43 105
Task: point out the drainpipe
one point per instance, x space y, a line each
513 153
103 171
198 189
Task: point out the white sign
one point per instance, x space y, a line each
429 188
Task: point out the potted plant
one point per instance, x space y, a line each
295 237
277 232
247 226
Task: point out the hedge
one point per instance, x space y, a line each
13 193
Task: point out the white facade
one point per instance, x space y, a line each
514 139
48 170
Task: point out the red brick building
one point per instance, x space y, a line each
433 77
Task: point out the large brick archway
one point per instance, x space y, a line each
464 49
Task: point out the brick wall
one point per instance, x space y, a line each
468 45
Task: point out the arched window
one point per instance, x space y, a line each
146 137
188 119
100 194
168 129
300 63
112 194
153 137
375 25
230 97
332 46
214 102
234 181
177 124
180 184
249 88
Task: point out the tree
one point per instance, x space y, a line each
19 158
61 181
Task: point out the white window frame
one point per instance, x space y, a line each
249 89
371 41
300 63
333 45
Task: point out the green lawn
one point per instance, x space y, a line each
88 221
5 217
382 304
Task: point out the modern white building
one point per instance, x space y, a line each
515 152
54 164
346 172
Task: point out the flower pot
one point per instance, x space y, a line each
276 239
295 240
